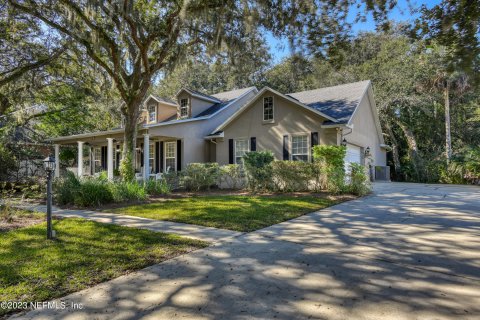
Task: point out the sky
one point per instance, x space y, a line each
279 47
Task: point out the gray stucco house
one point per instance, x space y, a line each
196 127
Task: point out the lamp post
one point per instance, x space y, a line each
49 164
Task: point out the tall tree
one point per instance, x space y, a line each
134 40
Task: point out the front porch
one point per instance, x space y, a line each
103 152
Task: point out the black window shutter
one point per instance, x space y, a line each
286 154
103 151
157 157
230 151
161 156
179 155
313 141
253 144
117 157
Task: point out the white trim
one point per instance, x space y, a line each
151 96
159 124
300 134
88 135
204 117
259 94
273 110
148 113
193 94
335 125
188 107
165 143
235 147
371 101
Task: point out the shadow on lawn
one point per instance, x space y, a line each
404 253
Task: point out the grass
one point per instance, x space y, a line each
85 253
233 212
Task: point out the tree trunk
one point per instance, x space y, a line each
131 112
448 137
413 149
396 157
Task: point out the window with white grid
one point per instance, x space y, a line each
183 108
151 157
152 113
241 148
268 109
300 148
170 156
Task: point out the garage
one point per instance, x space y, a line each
353 155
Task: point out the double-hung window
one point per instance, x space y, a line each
151 157
300 148
97 159
241 148
268 109
152 113
183 108
170 155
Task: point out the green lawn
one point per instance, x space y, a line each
85 253
240 213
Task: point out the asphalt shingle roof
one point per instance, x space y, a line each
167 100
338 102
232 94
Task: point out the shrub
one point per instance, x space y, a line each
93 192
200 176
258 168
332 165
65 188
128 191
232 176
359 180
293 176
157 187
126 168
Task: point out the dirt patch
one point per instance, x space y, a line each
20 221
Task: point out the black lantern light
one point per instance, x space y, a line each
367 152
344 142
49 164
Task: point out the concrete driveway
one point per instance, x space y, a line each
410 251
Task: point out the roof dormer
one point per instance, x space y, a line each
157 109
192 103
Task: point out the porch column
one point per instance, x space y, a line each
80 158
146 156
57 161
110 158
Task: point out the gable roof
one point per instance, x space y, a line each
162 100
265 89
212 110
338 102
232 94
198 94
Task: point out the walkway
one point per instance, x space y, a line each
188 230
410 251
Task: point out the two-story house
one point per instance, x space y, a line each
222 127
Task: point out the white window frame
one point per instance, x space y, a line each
151 156
235 148
150 113
273 109
302 134
186 107
166 144
97 151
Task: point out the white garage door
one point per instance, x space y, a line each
353 155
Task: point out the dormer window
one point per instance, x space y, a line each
268 109
183 108
152 113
